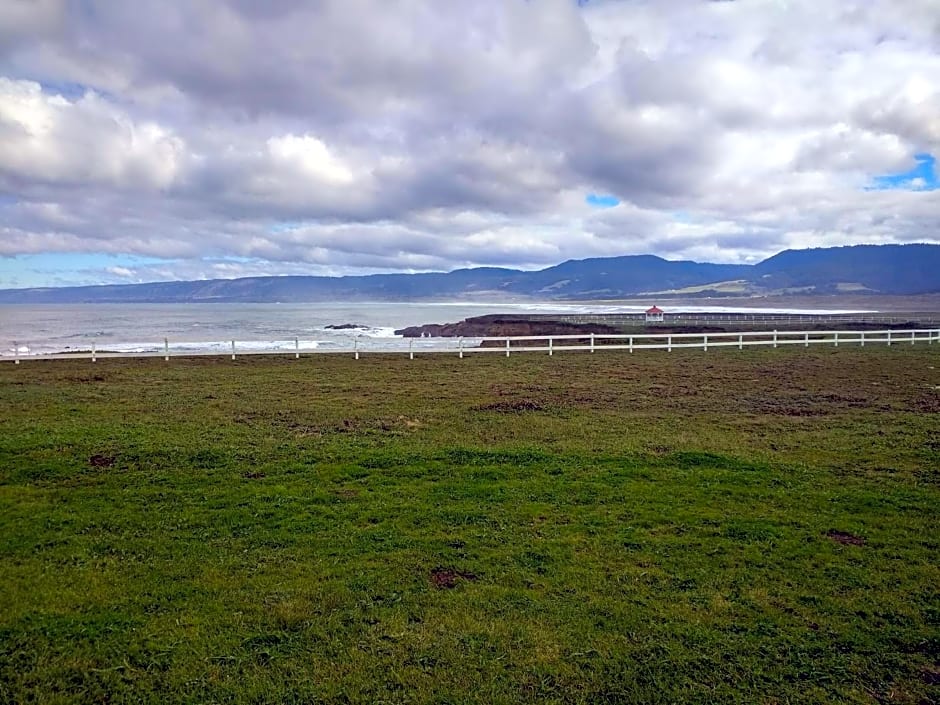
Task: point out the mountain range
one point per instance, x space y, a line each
858 269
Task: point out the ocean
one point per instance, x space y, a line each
52 328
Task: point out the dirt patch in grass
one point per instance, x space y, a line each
99 460
447 578
926 404
346 493
248 417
303 428
931 675
253 475
85 379
808 404
783 409
398 424
500 390
845 538
512 407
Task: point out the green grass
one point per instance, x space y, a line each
585 528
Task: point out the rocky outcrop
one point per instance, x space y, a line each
498 325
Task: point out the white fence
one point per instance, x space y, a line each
550 344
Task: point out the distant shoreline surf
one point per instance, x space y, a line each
29 329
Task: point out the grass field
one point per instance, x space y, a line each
756 527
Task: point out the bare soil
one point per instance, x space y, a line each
447 578
845 538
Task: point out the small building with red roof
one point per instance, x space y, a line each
654 315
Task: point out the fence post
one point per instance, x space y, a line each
835 338
550 351
775 337
863 339
296 349
705 344
913 333
233 349
889 337
93 358
740 342
669 343
166 350
592 342
507 347
16 353
356 347
411 348
631 343
460 347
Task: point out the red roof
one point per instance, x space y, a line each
655 309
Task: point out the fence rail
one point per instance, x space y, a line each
540 343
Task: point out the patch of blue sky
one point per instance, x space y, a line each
67 89
283 226
601 200
73 92
923 177
46 268
235 258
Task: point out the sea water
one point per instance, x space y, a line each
206 327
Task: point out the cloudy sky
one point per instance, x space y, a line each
183 139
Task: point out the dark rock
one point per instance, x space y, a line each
500 326
345 326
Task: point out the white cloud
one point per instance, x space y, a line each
122 272
48 138
306 156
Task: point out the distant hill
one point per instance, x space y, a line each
887 269
876 269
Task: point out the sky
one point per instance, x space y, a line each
187 139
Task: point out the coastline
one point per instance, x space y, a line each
50 328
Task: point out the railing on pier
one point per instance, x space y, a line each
749 319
